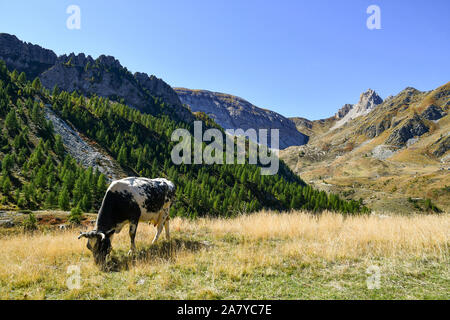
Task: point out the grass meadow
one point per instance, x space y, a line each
261 256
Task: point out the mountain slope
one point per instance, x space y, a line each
232 112
39 173
104 77
399 149
85 152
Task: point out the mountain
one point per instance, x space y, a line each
232 112
367 102
392 152
58 149
104 77
25 57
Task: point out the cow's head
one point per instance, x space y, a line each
99 243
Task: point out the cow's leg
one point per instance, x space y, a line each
161 224
133 229
158 232
166 226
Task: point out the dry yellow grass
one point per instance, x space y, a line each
265 255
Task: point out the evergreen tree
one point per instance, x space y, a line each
59 146
7 164
3 71
36 85
6 185
64 200
14 75
122 158
11 122
22 78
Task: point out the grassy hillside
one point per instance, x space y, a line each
260 256
37 173
386 157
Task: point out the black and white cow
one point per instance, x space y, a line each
130 200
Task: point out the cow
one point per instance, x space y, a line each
130 200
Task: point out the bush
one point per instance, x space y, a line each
75 215
22 203
30 223
431 207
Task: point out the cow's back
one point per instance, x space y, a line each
150 195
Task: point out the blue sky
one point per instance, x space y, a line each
299 58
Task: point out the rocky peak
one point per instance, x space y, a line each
367 102
25 57
104 76
343 111
79 60
109 62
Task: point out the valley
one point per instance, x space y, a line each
266 255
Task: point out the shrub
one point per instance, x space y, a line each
75 215
30 223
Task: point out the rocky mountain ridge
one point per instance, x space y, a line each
104 76
233 112
367 102
25 57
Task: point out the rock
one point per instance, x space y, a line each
157 87
443 146
371 131
232 112
433 113
411 141
367 102
382 152
412 128
25 57
6 223
375 130
80 150
342 112
104 76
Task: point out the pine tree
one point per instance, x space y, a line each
7 164
63 200
11 122
59 146
6 185
101 186
3 71
36 85
14 75
55 91
122 158
22 78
